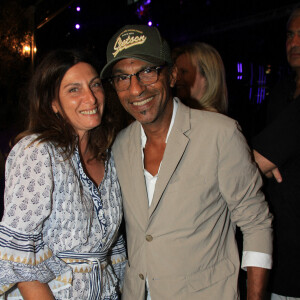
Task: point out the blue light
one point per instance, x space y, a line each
77 26
78 8
150 23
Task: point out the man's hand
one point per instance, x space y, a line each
267 167
274 173
257 279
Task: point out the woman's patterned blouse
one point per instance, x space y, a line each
58 226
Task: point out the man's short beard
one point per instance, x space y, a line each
143 112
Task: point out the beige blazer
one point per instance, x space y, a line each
184 243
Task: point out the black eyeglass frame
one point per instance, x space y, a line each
158 69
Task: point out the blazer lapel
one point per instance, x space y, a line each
176 145
139 202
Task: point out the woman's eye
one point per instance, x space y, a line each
96 84
73 90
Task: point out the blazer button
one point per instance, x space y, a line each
141 276
149 238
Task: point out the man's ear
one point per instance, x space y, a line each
173 76
55 106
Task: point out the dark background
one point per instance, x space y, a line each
248 34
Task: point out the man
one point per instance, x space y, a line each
187 179
277 152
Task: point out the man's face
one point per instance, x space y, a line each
146 103
293 43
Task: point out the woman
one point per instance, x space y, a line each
59 236
201 81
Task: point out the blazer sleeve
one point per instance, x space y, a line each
240 185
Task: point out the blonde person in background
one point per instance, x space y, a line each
201 81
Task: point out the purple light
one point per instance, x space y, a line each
77 26
261 85
240 71
150 23
251 81
240 67
78 8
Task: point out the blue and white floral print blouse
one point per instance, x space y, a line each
58 227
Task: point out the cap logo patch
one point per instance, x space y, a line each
127 39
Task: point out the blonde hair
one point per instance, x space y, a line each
211 66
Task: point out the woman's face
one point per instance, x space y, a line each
190 84
81 98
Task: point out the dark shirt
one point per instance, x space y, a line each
280 143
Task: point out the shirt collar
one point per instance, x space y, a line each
143 135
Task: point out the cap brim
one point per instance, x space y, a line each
107 69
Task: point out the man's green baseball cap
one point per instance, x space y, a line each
136 41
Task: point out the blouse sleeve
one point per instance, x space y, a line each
28 202
118 257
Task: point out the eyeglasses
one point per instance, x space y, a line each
146 76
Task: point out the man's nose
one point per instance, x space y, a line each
136 87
